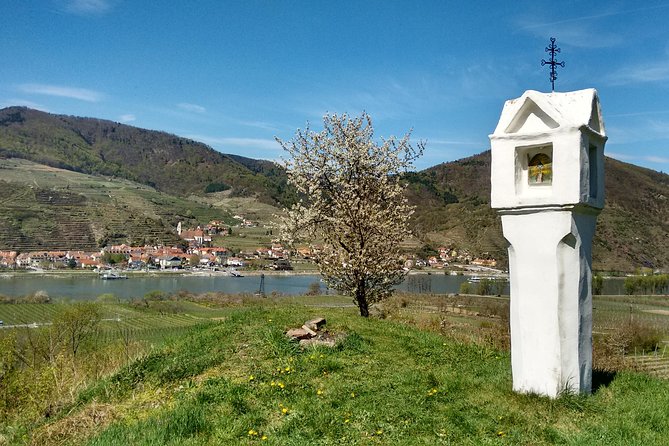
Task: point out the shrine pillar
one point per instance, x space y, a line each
547 183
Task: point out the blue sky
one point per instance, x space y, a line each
234 74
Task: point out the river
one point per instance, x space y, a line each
88 286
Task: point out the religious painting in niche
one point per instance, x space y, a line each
540 169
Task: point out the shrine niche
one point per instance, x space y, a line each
540 169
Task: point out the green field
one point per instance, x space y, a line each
431 370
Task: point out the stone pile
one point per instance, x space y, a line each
312 334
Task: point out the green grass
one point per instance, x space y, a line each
12 314
384 383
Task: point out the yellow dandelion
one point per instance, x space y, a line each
284 410
251 378
264 438
272 384
352 394
346 421
319 392
379 432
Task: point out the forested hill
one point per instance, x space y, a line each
632 230
169 163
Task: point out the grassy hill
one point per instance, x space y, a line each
241 381
169 163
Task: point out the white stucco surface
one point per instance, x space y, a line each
571 124
547 182
551 305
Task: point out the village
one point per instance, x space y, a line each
197 252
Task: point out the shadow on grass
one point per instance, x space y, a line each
601 378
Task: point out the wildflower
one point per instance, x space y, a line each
501 434
264 438
253 433
379 431
346 421
352 394
281 385
251 378
272 384
319 392
284 410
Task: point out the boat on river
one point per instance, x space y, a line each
112 276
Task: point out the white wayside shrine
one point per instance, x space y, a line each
547 182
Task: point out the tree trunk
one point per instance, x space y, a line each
361 299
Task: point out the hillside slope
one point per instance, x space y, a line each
169 163
632 230
46 208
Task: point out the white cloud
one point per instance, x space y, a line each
656 159
630 158
81 94
654 72
620 156
191 107
257 143
572 30
88 7
573 34
259 124
127 117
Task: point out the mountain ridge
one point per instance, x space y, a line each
452 199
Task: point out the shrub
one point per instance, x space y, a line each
465 288
38 297
634 336
484 287
597 284
216 187
156 295
314 289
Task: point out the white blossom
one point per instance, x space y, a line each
353 210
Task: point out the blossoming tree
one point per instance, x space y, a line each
353 209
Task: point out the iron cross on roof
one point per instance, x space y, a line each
552 49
